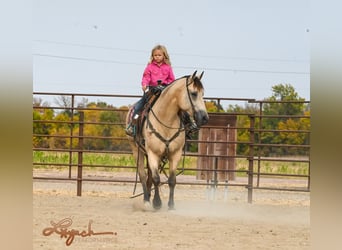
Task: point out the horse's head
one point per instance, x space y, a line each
193 103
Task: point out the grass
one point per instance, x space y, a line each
189 162
274 167
88 159
109 160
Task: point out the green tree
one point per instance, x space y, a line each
213 106
62 131
288 105
285 101
65 102
109 127
295 138
41 128
243 124
111 130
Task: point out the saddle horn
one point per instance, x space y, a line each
200 77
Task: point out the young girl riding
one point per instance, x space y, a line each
157 72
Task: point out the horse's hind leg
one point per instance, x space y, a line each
149 181
145 189
143 178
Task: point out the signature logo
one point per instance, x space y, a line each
62 228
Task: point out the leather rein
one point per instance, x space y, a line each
179 129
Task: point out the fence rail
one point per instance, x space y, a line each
75 141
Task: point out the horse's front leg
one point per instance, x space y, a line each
157 203
172 185
172 177
154 165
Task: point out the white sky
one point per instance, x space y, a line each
102 46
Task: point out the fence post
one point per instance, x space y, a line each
250 159
80 154
214 180
259 141
71 133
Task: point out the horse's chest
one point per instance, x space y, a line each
159 145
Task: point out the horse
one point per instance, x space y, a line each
162 134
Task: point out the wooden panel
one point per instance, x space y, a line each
218 136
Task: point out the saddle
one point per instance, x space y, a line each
151 98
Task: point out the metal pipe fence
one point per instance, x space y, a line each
74 130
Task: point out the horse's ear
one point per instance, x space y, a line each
194 74
200 77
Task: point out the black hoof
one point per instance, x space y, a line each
171 206
157 204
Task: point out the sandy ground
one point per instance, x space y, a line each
203 218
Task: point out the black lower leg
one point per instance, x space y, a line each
156 199
172 184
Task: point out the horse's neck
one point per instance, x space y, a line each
166 108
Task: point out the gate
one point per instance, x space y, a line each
217 158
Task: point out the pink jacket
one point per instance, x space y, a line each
153 73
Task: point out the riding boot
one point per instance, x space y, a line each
130 130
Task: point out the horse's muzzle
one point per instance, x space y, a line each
201 118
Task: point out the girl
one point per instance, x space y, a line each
158 71
158 68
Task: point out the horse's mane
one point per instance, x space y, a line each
197 82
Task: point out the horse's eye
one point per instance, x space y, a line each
194 94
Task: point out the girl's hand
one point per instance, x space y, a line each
145 89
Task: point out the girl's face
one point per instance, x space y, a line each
158 56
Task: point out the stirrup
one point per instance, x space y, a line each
130 130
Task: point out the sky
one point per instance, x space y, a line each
102 46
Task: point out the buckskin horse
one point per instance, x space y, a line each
162 135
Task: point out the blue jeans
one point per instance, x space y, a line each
139 105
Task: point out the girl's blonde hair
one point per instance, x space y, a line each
164 50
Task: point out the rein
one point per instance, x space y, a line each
155 116
160 137
192 104
179 129
166 141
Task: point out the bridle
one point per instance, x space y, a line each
175 135
192 104
179 129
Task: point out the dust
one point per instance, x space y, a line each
255 213
244 211
275 220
